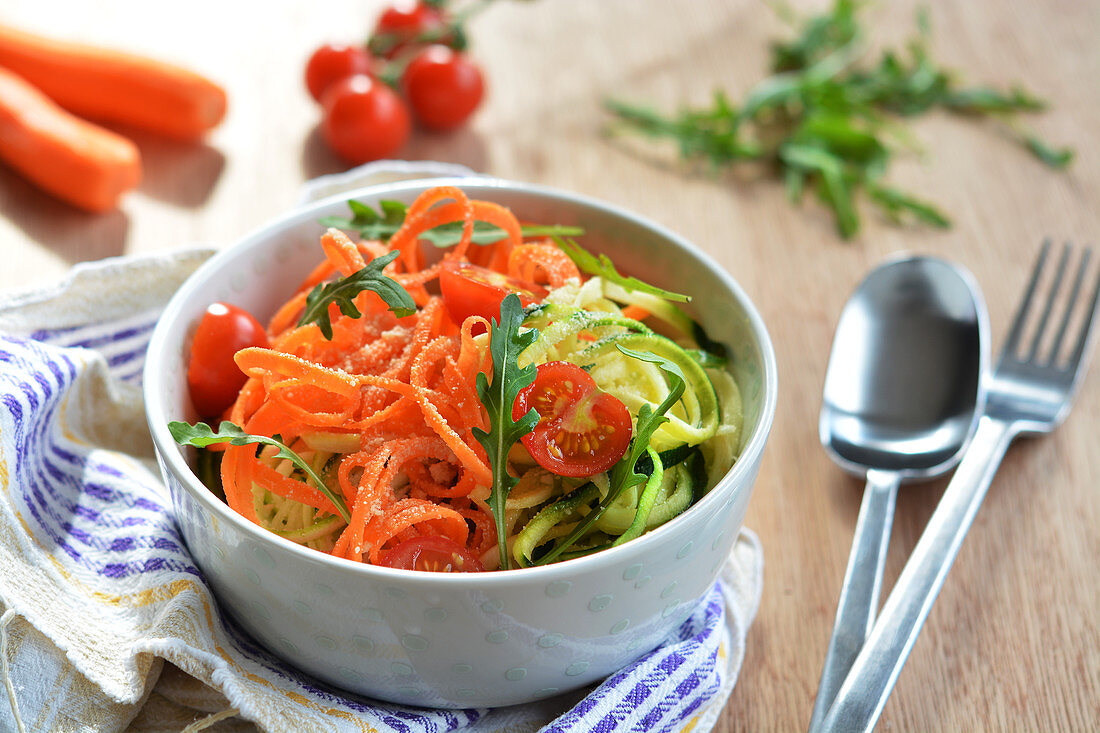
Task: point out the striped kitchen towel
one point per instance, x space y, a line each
108 625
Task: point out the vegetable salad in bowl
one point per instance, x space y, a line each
452 390
442 386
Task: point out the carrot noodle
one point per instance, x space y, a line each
288 314
542 263
342 252
288 488
436 519
498 215
483 537
473 358
405 388
236 481
407 237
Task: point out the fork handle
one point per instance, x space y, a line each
863 694
859 594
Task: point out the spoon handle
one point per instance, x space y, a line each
864 692
855 613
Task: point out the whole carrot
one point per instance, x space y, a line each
114 86
75 160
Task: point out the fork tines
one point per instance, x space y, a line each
1029 340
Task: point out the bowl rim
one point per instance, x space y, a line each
172 457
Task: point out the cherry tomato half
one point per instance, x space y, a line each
364 119
582 430
331 63
471 290
443 87
434 554
401 24
212 376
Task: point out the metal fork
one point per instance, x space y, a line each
1030 391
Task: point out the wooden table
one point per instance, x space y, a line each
1014 640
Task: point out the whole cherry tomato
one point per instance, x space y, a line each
434 554
331 63
401 24
212 376
443 87
582 430
363 119
472 290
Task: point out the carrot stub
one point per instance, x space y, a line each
110 85
75 160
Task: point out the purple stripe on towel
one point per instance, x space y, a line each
97 336
126 357
45 334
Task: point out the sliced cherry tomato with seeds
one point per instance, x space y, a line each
582 430
213 378
472 290
433 554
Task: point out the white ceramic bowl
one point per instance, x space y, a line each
459 640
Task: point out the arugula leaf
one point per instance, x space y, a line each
371 224
506 343
822 118
626 473
1054 157
895 203
601 265
979 100
448 235
343 292
201 435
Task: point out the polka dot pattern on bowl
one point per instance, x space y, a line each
558 588
415 643
576 668
600 602
549 641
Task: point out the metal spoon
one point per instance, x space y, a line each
902 398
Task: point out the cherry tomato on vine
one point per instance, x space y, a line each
401 24
213 378
434 554
582 430
443 87
363 119
331 63
471 290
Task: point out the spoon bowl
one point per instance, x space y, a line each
903 393
901 390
